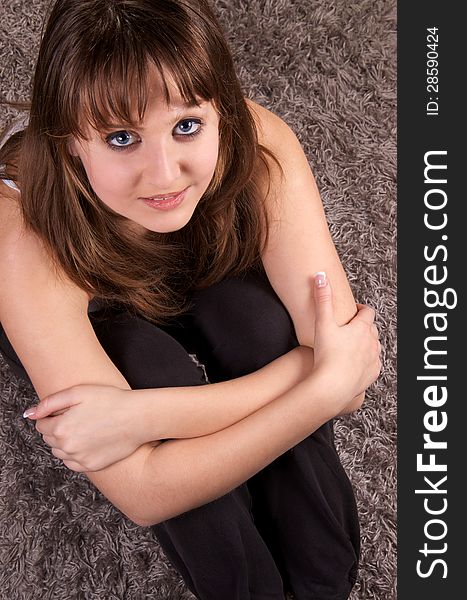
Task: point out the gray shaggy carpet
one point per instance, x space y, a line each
328 68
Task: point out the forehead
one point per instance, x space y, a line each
125 101
164 92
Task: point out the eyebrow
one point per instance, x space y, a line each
179 109
176 109
189 104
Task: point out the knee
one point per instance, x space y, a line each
224 515
242 321
145 355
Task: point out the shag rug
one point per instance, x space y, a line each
328 68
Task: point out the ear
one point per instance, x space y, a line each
72 146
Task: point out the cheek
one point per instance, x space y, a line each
106 179
109 177
206 159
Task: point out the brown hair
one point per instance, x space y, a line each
93 52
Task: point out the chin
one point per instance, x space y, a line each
168 223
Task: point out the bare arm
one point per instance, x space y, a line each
91 427
299 241
188 412
180 475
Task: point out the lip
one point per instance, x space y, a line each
166 201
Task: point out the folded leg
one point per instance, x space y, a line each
303 503
216 548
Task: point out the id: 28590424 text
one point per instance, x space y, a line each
432 71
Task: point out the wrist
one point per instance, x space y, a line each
336 390
353 405
307 359
140 414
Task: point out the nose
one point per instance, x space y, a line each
163 168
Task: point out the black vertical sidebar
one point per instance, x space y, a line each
432 355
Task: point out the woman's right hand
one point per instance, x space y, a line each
347 355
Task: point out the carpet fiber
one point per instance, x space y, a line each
328 68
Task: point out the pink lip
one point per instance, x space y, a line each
166 202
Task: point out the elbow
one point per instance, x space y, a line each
146 520
353 405
357 402
153 514
143 523
156 517
144 516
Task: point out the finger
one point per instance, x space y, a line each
323 299
74 466
47 425
60 454
365 313
51 404
49 440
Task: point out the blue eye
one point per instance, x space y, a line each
123 140
120 140
186 127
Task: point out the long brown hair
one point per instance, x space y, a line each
93 68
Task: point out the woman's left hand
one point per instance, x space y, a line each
88 427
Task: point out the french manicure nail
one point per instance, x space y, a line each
320 279
29 412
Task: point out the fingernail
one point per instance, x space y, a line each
320 279
29 412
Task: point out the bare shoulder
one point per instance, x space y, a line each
13 232
276 135
17 245
273 131
267 122
23 256
10 211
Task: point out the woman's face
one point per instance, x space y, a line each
140 173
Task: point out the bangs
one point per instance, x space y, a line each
119 94
114 78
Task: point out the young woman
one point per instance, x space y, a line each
151 217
